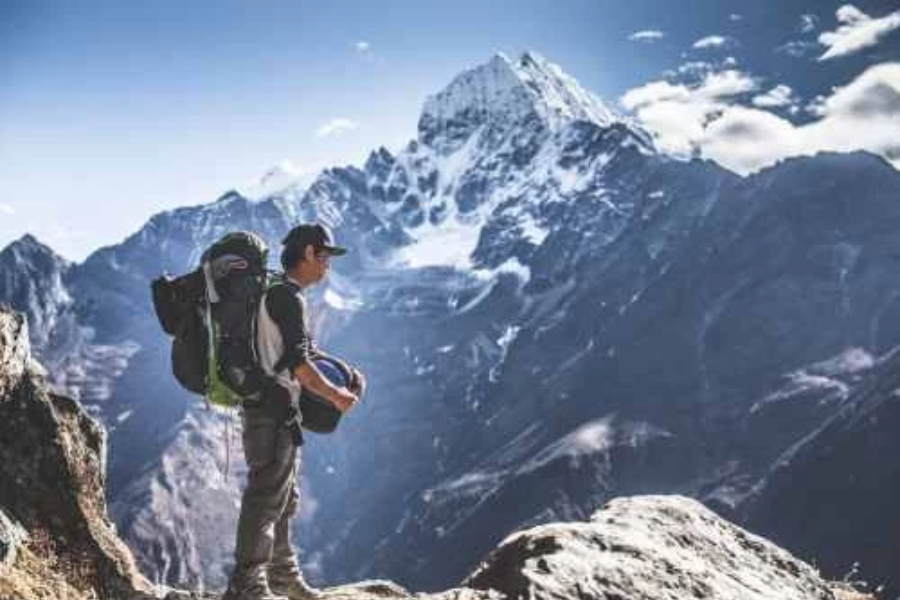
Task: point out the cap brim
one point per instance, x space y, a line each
335 250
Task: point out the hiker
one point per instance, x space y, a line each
266 567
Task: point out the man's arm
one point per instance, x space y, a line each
286 311
310 378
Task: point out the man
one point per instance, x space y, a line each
266 567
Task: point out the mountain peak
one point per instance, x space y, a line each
506 91
230 196
28 246
561 94
284 179
28 241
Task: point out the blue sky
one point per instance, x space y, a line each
112 111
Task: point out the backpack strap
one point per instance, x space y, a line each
212 295
276 280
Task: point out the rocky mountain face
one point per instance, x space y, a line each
844 461
550 313
38 282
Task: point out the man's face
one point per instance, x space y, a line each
315 264
323 263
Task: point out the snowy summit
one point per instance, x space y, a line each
506 92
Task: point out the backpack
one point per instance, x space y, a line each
211 315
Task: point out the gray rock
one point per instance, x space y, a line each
12 535
646 548
14 350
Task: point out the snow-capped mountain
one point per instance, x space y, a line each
503 95
284 180
550 313
497 149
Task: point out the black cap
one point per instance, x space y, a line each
314 234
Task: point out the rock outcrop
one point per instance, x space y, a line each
637 548
647 548
52 459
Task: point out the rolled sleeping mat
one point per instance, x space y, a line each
320 415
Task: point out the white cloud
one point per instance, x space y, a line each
336 126
7 209
711 41
726 83
646 35
696 69
780 95
679 113
654 92
816 106
856 31
746 139
710 120
735 17
366 53
874 94
808 23
796 48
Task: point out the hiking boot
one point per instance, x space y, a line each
256 590
294 587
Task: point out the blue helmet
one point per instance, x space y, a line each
320 415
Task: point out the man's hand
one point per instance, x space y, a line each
343 399
357 382
310 377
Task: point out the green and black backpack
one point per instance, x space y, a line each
211 314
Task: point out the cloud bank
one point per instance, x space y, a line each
712 119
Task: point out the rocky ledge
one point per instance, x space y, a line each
638 548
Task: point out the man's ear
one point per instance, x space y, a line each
309 253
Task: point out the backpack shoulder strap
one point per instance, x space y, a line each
274 279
